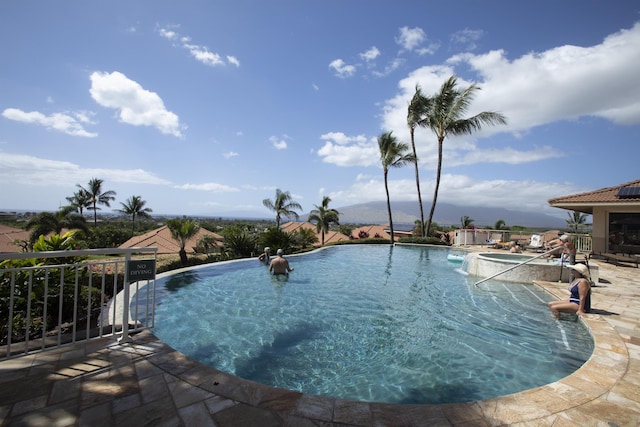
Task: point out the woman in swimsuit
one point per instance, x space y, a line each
580 299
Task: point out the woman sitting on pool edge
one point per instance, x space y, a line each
279 265
580 299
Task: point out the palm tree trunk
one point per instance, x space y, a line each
386 189
415 163
437 186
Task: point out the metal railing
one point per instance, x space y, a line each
50 299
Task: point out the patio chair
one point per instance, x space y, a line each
536 243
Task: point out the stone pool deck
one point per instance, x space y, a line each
146 382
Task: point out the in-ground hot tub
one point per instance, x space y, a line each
486 264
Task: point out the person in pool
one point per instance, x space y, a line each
280 265
580 299
265 257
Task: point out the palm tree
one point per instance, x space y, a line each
575 220
444 117
97 197
79 201
324 217
393 154
182 229
48 222
134 206
282 206
466 222
416 113
499 225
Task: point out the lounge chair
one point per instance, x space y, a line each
536 243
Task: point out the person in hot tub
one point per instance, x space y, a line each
580 299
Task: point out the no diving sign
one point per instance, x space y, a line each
141 269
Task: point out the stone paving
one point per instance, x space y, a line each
145 382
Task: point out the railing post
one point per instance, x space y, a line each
125 338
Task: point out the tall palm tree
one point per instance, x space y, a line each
393 154
445 117
134 206
182 229
79 201
282 206
97 196
324 217
48 222
416 113
575 220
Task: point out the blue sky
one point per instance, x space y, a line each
204 108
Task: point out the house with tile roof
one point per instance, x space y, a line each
329 237
161 238
616 216
8 235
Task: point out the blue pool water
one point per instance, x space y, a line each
371 323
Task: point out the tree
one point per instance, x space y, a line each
282 206
466 222
575 220
97 196
393 154
79 201
445 117
416 113
134 206
182 229
500 224
324 217
46 222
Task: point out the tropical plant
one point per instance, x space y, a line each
282 205
239 241
134 206
466 222
393 154
323 217
416 112
207 244
79 201
276 239
445 117
97 196
576 220
182 229
47 222
500 224
304 238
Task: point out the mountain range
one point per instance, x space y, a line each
406 213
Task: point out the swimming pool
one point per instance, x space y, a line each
370 323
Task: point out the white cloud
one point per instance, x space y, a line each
342 69
411 38
370 54
563 83
34 171
208 186
342 150
466 39
279 143
230 154
69 123
137 106
200 53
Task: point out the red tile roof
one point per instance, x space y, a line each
161 239
8 235
329 237
584 202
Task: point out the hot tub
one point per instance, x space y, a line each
486 264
